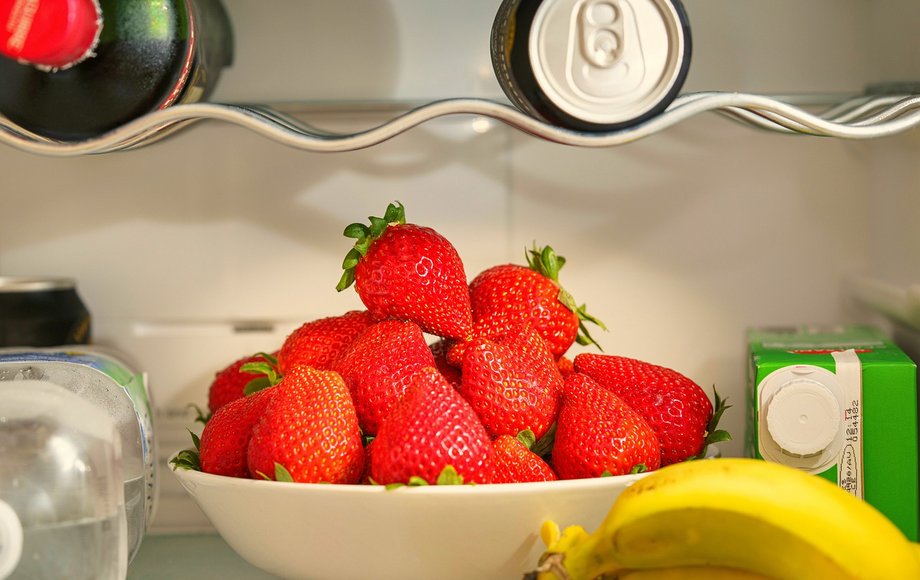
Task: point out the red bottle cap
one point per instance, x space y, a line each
49 33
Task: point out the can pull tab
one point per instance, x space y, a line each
608 62
600 28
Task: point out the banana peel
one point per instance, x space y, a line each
734 519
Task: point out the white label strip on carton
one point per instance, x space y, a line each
850 463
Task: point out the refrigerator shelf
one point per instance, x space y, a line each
867 116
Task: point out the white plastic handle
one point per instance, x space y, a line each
10 540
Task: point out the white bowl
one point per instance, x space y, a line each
330 532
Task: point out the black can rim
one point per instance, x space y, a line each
35 283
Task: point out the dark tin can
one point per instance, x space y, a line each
591 65
42 312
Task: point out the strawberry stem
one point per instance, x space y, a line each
546 262
364 236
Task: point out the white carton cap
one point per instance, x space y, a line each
803 418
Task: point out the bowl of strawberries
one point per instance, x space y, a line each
431 435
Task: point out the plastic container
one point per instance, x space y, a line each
109 386
61 486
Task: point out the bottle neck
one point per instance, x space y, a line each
51 34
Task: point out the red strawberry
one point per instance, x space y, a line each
431 429
309 431
503 297
516 463
378 366
566 366
676 408
226 435
228 383
408 272
440 349
319 342
597 434
508 390
527 343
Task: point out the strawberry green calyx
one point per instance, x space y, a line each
546 262
395 215
448 476
527 438
188 458
268 368
282 474
200 416
713 433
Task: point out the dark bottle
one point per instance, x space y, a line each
74 69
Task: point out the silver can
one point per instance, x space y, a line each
591 65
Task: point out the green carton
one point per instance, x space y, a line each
840 403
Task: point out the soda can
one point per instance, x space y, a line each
42 312
591 65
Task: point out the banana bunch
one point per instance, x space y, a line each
731 519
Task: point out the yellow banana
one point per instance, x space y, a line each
741 514
691 573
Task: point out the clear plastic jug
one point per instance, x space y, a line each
61 486
109 385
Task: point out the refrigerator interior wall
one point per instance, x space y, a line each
216 242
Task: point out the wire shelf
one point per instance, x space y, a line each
850 117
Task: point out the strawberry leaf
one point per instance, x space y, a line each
256 385
719 407
718 435
186 459
351 259
546 262
347 279
713 433
189 458
356 231
606 473
638 468
267 368
282 474
364 236
273 361
200 416
395 214
449 476
527 438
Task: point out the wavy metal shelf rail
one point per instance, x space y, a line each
862 117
